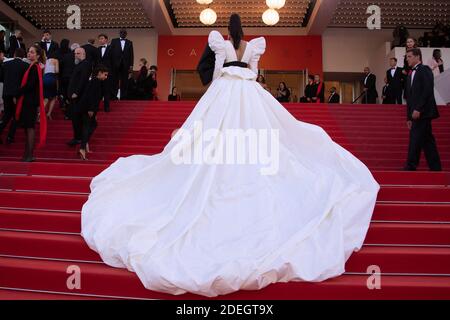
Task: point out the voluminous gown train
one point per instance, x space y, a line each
214 228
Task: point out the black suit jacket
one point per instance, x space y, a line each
12 74
92 54
389 94
3 46
420 95
206 65
13 45
396 81
53 50
106 60
92 96
79 79
309 91
334 99
118 56
371 86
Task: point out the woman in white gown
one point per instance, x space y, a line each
213 228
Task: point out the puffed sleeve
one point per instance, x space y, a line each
259 47
217 44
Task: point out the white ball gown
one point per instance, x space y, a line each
212 228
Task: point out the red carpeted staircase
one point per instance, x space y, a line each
40 204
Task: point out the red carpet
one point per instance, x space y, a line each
40 204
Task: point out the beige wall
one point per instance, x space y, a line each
145 41
350 49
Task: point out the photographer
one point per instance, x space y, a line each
283 93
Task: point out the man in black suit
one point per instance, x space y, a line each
370 89
88 106
421 110
50 47
388 93
105 59
334 97
11 76
395 79
92 55
2 41
122 56
15 41
66 67
75 91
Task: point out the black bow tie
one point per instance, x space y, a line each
103 46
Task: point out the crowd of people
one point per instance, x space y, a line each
78 76
394 90
314 91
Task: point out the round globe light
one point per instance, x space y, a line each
208 16
275 4
270 17
204 1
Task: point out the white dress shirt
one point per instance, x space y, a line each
413 74
393 71
122 43
104 49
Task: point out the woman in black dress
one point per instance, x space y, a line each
283 93
174 96
30 98
309 90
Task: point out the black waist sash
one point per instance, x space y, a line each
235 64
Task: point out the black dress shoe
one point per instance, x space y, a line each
9 140
32 159
73 142
408 168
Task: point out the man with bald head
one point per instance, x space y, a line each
76 88
370 87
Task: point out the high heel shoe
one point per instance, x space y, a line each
82 154
49 117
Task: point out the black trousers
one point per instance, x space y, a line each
9 115
421 137
120 74
107 89
89 124
368 99
398 96
76 116
63 86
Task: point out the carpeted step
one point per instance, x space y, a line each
391 259
102 280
